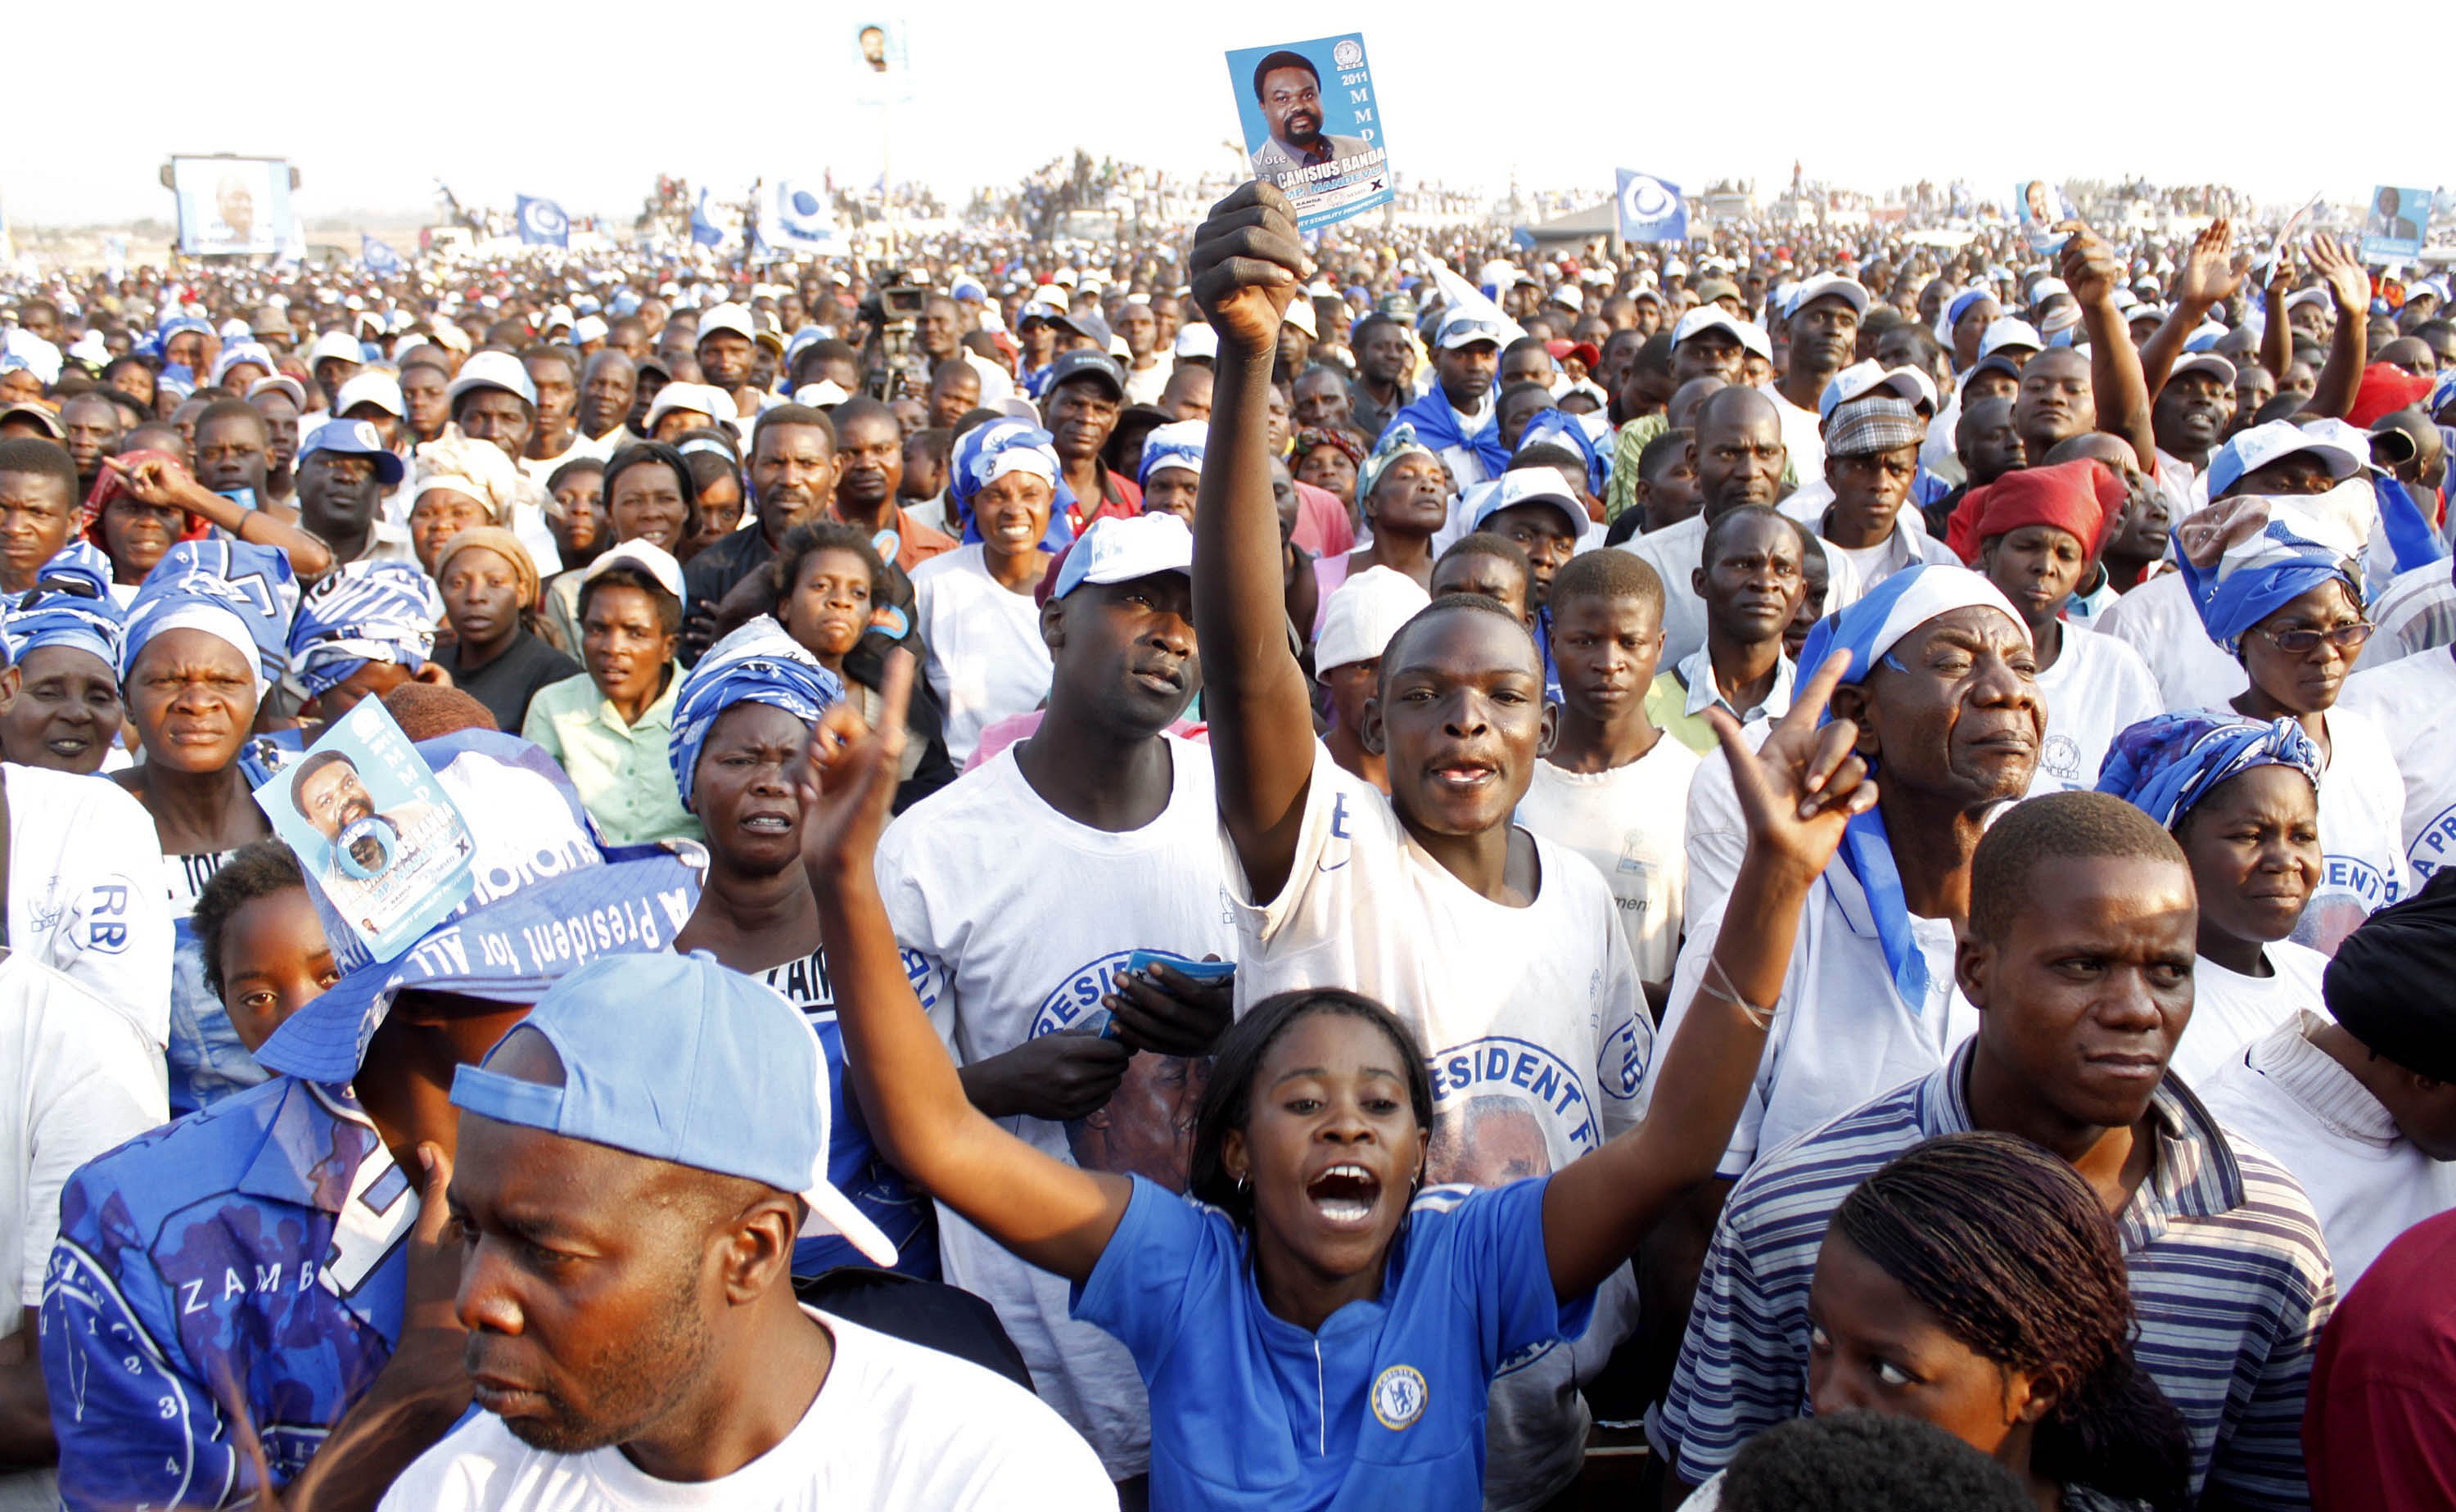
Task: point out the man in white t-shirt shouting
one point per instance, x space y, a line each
1502 951
1021 895
636 1161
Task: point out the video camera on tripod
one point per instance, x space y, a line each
894 311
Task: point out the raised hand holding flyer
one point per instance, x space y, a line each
1312 126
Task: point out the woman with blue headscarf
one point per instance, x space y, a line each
743 720
2242 797
59 700
2273 577
206 638
1403 499
976 605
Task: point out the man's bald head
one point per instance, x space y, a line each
1739 449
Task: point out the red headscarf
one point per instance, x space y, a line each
110 485
2078 498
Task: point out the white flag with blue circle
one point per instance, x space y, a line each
803 215
542 223
1650 209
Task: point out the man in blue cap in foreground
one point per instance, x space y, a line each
636 1160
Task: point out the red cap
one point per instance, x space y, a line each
2078 497
2386 389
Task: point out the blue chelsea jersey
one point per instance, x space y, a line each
1382 1406
238 1274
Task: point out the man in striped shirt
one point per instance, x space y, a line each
2079 957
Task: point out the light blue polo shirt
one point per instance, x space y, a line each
1383 1407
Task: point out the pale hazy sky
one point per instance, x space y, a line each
587 103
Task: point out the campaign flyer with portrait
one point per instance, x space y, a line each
2396 224
1312 126
2040 206
373 830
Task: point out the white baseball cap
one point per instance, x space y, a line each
492 370
1860 379
2203 362
2009 331
1364 613
1531 485
588 328
1469 324
1851 291
337 344
1122 549
371 386
2346 450
704 399
1713 316
1197 338
734 318
647 556
280 383
1301 315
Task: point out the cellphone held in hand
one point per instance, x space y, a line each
1198 971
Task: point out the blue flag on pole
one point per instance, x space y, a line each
1650 209
705 230
378 257
542 223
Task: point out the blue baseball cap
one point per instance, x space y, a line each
354 439
677 1058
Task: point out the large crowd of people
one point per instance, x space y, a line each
1235 869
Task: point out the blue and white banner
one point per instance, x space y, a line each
542 223
704 228
378 257
801 214
1650 209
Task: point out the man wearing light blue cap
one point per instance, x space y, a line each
276 1269
637 1159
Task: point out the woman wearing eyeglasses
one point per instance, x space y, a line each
2274 580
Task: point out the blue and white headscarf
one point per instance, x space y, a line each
1868 630
2247 556
248 352
366 611
243 593
2164 766
1398 441
1179 444
1557 427
757 664
990 451
70 605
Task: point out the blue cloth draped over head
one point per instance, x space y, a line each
1002 446
2166 765
1395 442
2247 556
757 664
253 584
368 611
70 605
1561 428
1868 630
